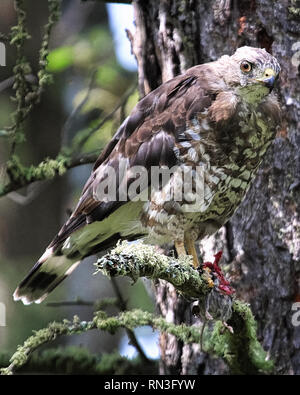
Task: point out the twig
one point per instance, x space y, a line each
128 319
30 176
69 303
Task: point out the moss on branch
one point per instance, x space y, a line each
235 348
239 348
21 176
28 92
234 341
128 319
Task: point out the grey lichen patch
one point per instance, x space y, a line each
140 260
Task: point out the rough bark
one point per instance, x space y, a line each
261 242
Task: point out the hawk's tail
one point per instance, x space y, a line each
50 270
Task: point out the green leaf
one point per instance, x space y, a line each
60 59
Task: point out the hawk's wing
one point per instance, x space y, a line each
146 138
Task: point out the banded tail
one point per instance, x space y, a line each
49 271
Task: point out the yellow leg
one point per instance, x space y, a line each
190 246
179 246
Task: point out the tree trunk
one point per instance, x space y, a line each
261 242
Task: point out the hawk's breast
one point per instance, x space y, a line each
216 164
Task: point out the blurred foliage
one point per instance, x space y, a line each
139 298
78 360
60 58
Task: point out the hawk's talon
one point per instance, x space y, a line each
223 285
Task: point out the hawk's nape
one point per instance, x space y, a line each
212 124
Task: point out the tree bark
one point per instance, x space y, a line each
261 242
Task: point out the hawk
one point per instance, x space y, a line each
212 124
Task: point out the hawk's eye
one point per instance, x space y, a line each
246 67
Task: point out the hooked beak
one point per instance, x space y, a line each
268 79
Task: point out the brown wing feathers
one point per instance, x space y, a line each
147 137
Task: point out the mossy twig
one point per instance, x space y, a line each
128 319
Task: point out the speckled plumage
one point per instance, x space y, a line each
214 122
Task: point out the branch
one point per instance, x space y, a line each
72 119
129 320
240 349
27 94
22 176
140 260
236 341
98 304
10 81
132 319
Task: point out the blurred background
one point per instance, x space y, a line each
93 69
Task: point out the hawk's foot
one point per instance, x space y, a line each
216 272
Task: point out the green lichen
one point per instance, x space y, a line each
128 319
47 169
27 90
240 349
141 260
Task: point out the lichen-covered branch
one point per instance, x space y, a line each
27 93
222 342
236 342
22 176
129 320
141 260
240 349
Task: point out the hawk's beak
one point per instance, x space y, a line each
268 79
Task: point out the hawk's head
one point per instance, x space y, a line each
252 74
